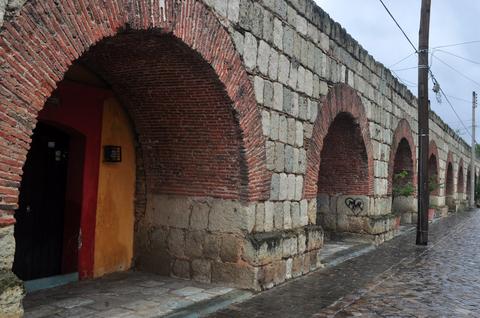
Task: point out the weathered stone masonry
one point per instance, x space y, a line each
282 80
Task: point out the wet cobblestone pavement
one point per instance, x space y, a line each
398 279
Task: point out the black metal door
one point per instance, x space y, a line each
40 216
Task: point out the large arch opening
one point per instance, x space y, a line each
401 174
433 176
403 188
343 180
460 181
469 185
38 46
162 157
449 187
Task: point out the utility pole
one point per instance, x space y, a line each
423 130
472 167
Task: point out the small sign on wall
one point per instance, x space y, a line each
112 153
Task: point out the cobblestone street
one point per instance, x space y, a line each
398 279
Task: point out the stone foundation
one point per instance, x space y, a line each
250 246
359 217
406 208
11 288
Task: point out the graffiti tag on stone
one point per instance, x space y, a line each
356 205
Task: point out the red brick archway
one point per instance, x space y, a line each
469 182
402 154
449 185
341 100
433 164
460 178
37 49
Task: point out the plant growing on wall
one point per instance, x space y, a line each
402 187
433 183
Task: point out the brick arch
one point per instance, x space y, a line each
341 99
403 132
433 163
449 175
37 49
469 179
460 178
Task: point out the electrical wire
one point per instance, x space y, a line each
457 71
458 56
450 104
456 44
398 25
429 69
400 61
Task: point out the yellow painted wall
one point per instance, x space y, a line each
116 191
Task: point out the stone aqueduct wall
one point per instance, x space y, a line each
291 73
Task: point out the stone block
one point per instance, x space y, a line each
283 129
283 187
291 187
295 215
275 187
277 96
263 57
303 212
290 246
274 125
299 134
278 33
230 217
269 212
233 10
7 248
250 51
268 26
176 243
291 134
194 244
312 211
273 65
270 154
278 220
268 94
258 85
238 275
199 216
230 249
171 211
293 75
273 274
260 218
287 218
283 69
297 265
181 269
353 205
211 247
202 270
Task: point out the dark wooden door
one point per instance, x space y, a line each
40 216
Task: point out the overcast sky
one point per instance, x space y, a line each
452 21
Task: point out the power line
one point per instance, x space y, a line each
398 25
460 57
400 61
456 44
460 99
457 71
406 68
449 103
